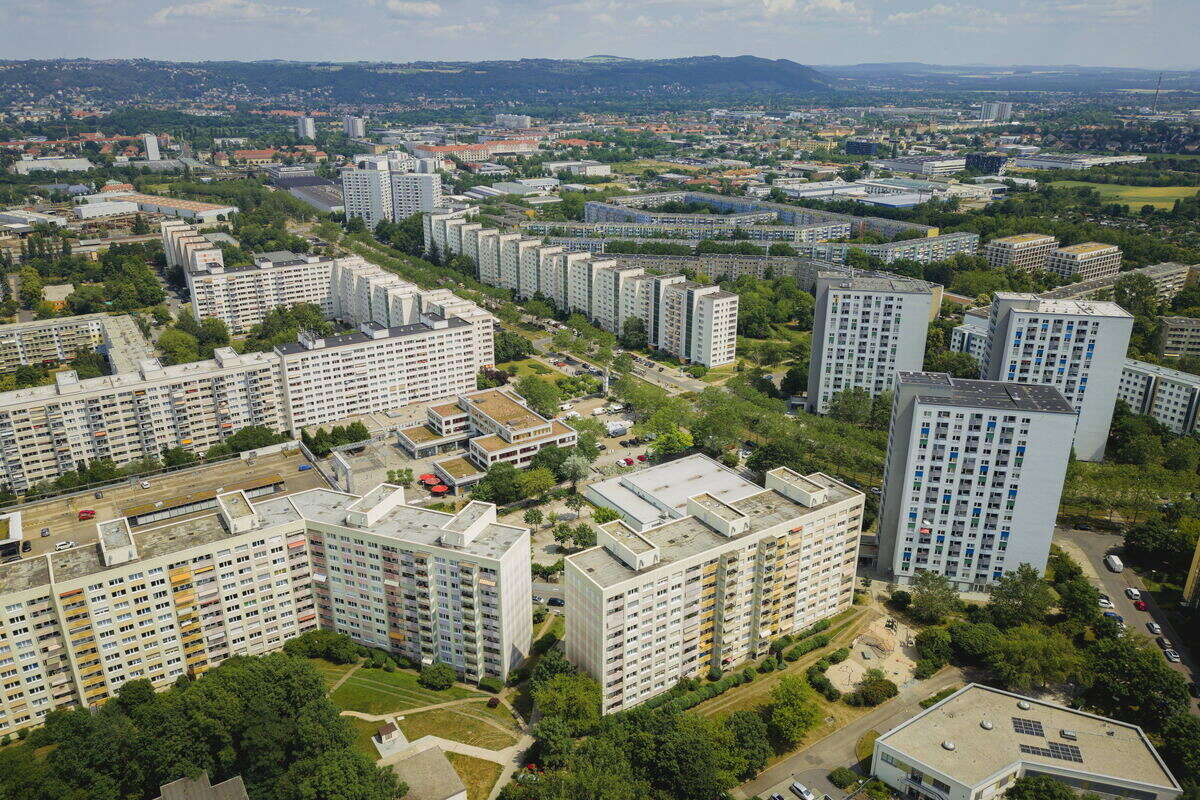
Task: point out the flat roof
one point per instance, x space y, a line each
876 282
1052 305
670 485
1162 372
948 391
1088 247
1021 238
458 467
493 443
688 537
358 337
504 409
429 775
1101 746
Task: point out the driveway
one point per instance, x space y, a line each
811 765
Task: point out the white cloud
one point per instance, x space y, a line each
924 14
231 11
414 10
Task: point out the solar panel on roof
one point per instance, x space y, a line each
1030 727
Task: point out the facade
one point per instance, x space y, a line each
971 336
192 210
974 744
923 165
711 588
1076 346
388 188
1168 278
354 127
1072 160
241 296
1170 396
995 112
698 228
427 585
587 167
1028 252
692 322
1086 261
861 147
973 477
150 146
27 165
866 329
50 342
516 121
1179 336
306 128
987 163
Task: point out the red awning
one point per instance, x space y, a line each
427 477
440 489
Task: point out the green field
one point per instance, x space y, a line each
1163 197
528 366
373 691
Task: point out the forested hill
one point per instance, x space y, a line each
121 80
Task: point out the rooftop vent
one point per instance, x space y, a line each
1024 705
986 725
947 745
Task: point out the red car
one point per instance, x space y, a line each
1140 605
642 457
627 462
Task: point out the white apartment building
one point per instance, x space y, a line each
1077 346
241 296
867 328
692 322
306 128
1029 252
973 477
970 337
995 112
179 598
150 145
386 187
1170 396
514 121
711 588
1085 261
977 742
415 193
59 339
354 127
184 246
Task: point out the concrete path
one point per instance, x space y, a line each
393 714
342 679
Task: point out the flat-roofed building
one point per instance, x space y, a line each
1085 261
972 479
242 296
971 335
974 744
711 588
1029 252
1168 278
1179 336
245 579
1170 396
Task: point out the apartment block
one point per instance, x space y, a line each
1170 396
692 322
1168 278
1028 252
1179 336
306 128
50 342
354 127
180 598
711 588
185 247
1076 346
1085 261
699 227
242 296
387 187
971 336
973 477
867 327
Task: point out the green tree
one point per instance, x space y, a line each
541 395
1130 680
575 468
533 517
851 405
178 457
752 739
934 644
603 514
1079 600
633 333
1181 747
672 440
933 596
179 347
437 676
1029 657
535 482
1039 787
1021 596
575 699
793 710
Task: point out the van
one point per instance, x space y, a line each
1114 563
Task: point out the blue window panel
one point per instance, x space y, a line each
983 470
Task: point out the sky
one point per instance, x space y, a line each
1124 33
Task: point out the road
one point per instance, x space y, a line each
1095 545
811 765
547 589
670 378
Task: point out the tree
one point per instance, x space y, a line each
1021 596
1156 544
933 597
177 457
1181 747
633 333
851 405
253 437
793 710
541 395
623 363
1029 657
604 514
574 469
1038 787
873 689
1131 681
583 536
563 533
509 346
535 482
575 699
794 381
1141 450
881 411
1079 600
752 739
974 642
672 440
179 347
500 485
339 775
533 517
934 644
437 676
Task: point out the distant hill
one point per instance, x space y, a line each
1021 77
116 80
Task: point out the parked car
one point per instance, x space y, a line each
144 484
10 559
26 546
776 797
643 457
1154 628
1083 526
63 546
45 532
602 446
1133 594
1140 605
304 468
627 462
86 514
1114 615
537 598
98 495
1114 563
802 791
1104 602
556 601
1172 656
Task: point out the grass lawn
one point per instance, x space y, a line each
643 164
464 724
373 691
329 671
528 366
363 731
1163 197
865 745
479 775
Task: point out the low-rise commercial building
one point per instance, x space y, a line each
711 588
923 165
974 744
193 210
1072 160
1085 261
419 583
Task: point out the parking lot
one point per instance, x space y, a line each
61 514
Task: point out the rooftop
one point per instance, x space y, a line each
458 467
1026 301
1024 730
493 443
505 409
1087 248
877 282
429 776
1162 372
358 337
1022 238
947 391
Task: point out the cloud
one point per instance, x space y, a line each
421 9
231 11
924 14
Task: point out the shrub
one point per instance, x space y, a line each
335 647
808 645
901 600
843 778
747 675
437 676
780 644
926 668
491 684
791 655
839 655
493 702
714 673
817 680
872 690
518 675
539 615
768 665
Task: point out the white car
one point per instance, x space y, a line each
537 598
63 546
1104 602
1133 594
1172 656
144 484
1154 628
802 791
